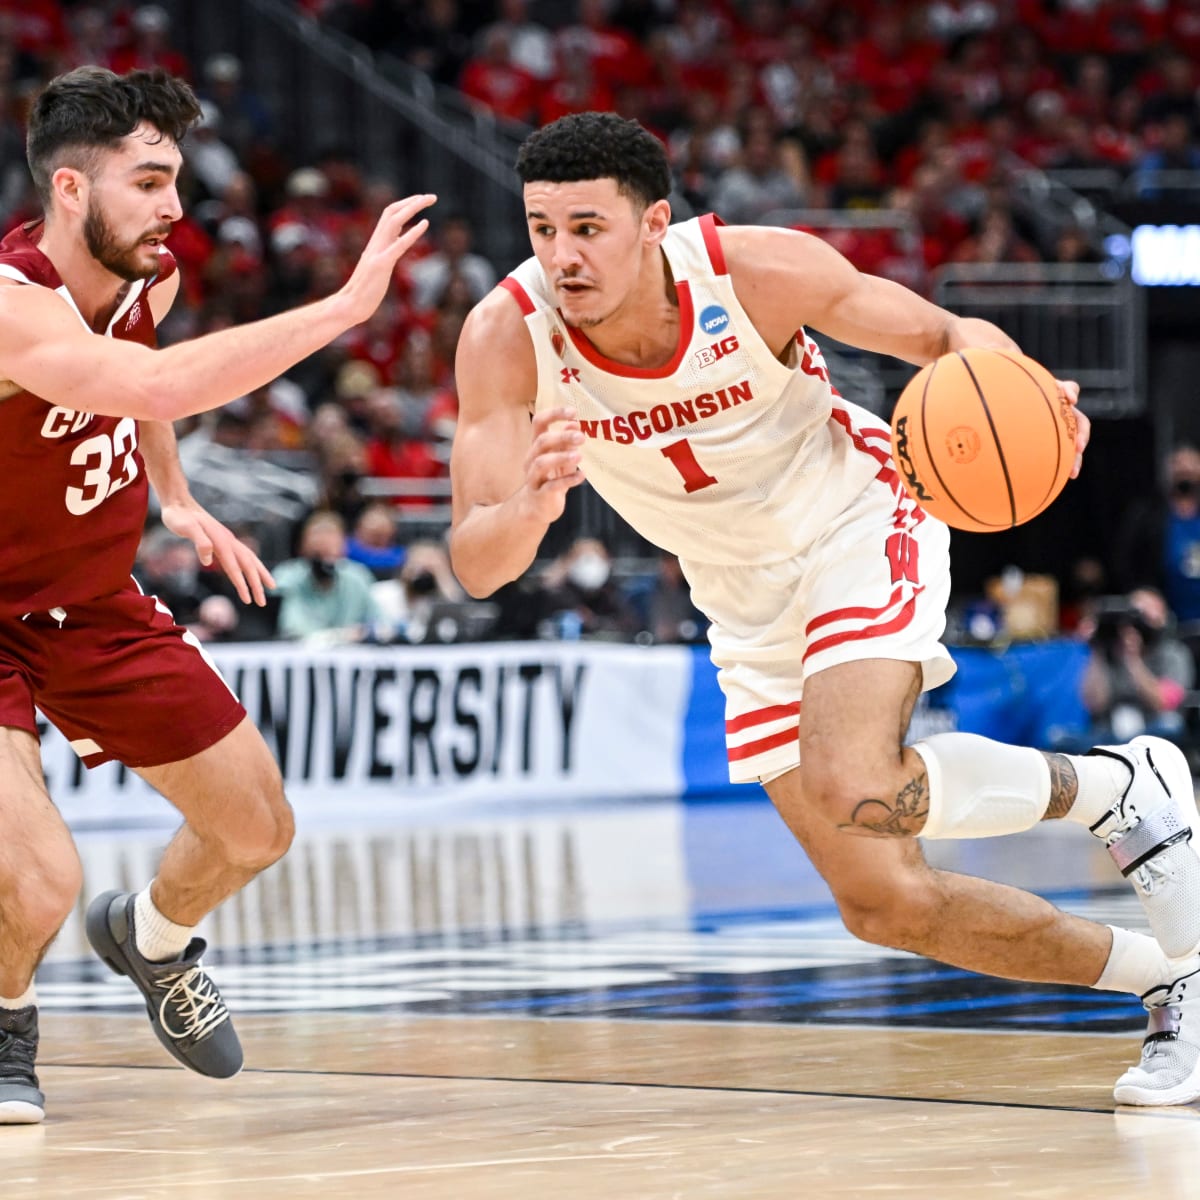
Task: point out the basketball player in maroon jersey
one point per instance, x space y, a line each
671 365
85 426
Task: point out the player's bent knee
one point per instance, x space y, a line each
264 831
51 880
837 789
900 914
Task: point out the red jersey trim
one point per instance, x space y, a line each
519 294
751 749
712 243
761 716
887 472
686 321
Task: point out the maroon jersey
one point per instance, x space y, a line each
72 484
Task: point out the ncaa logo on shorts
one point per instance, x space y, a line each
713 319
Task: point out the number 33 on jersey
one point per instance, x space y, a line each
107 460
72 484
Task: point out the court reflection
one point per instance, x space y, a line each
657 909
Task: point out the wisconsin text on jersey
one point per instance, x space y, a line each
662 418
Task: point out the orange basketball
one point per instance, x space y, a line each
982 440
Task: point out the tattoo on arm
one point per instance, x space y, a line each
902 817
1064 785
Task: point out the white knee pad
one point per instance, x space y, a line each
981 788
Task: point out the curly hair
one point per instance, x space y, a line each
597 145
91 109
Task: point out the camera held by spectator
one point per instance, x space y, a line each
1138 673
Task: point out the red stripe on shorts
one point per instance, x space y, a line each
900 621
750 749
859 614
760 716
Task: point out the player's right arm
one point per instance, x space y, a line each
510 469
46 350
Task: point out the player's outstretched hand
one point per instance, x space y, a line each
1068 390
552 466
393 237
215 543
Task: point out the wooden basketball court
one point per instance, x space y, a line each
593 1053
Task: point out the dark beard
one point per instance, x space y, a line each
121 260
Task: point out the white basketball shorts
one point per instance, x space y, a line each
874 584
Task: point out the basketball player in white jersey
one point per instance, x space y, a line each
669 365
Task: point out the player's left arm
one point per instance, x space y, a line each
786 280
181 514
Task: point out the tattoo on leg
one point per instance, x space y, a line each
903 817
1064 785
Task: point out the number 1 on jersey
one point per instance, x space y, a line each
684 461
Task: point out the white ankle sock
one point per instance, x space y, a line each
1101 782
1135 964
158 939
24 1000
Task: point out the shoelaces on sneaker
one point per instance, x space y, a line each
191 1006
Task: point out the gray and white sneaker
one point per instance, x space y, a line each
21 1099
186 1010
1169 1070
1150 833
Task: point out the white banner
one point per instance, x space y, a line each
369 726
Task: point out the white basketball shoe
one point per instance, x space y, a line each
1150 833
1169 1070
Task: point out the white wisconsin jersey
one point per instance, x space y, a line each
724 455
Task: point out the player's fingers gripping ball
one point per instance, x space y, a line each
982 439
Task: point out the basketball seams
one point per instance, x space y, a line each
1052 491
987 412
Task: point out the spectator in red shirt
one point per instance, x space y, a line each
530 44
37 27
150 45
615 57
396 447
889 64
491 79
757 39
307 209
379 340
576 90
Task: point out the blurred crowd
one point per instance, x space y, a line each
338 472
927 107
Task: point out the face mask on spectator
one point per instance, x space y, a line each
589 572
323 570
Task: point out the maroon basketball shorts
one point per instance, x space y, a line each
118 677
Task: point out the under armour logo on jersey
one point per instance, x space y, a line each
570 375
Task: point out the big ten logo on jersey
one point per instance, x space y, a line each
714 353
107 460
